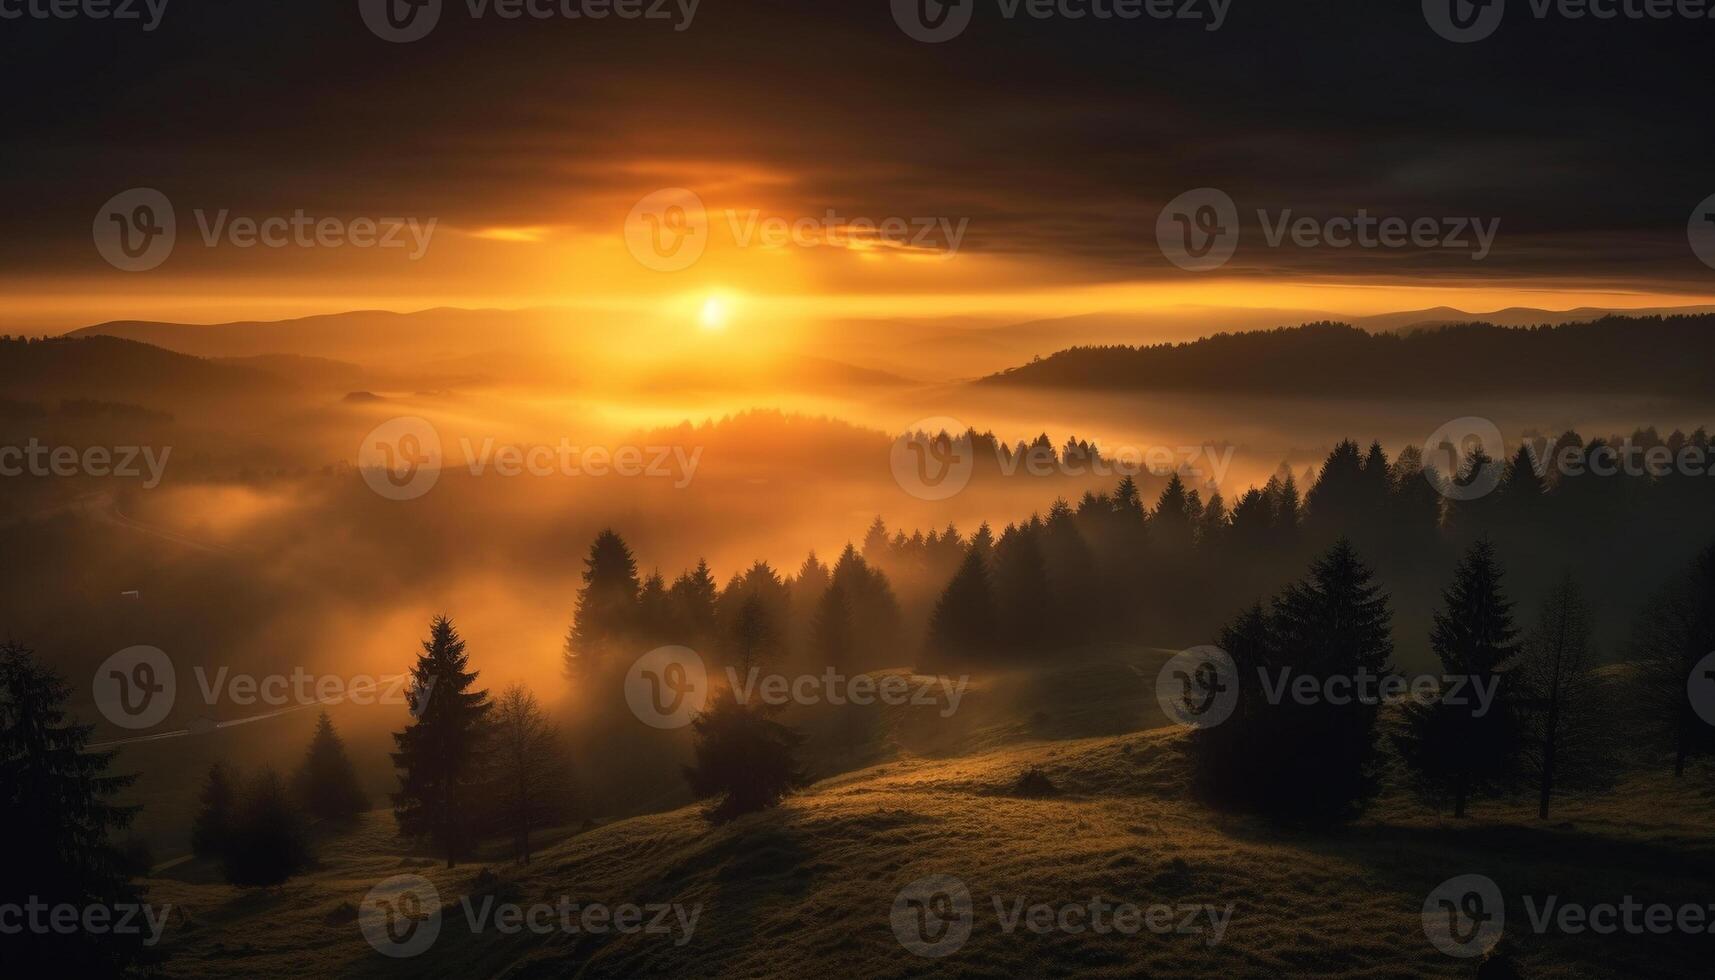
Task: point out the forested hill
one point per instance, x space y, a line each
1668 356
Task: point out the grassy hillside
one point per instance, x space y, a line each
808 889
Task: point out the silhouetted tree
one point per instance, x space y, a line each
1674 632
57 820
1566 729
216 809
745 760
831 633
326 783
1334 623
1460 745
268 842
529 769
962 628
439 753
693 597
607 605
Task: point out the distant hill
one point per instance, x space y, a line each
1666 356
114 368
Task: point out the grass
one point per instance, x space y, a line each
807 889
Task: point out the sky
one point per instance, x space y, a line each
1044 149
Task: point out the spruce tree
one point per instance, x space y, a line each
693 597
326 782
1460 745
57 816
1335 623
269 841
606 613
216 810
831 633
963 626
745 760
439 753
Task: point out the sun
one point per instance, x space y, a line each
714 313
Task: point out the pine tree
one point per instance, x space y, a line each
745 760
607 605
216 810
530 784
1022 591
1335 623
1458 745
655 620
755 637
831 636
326 783
268 842
56 816
693 597
439 753
963 627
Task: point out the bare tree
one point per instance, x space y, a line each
529 768
1565 735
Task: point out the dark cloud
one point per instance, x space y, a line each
1063 139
